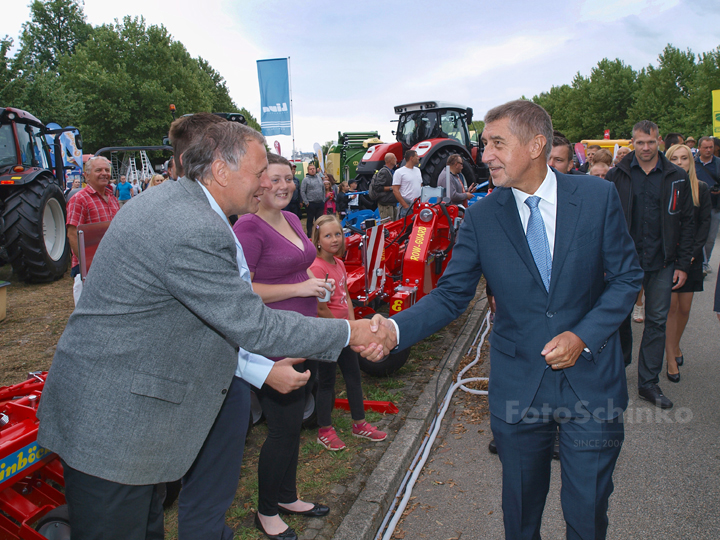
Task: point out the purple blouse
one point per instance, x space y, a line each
276 260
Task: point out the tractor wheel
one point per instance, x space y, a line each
433 168
34 231
55 525
382 368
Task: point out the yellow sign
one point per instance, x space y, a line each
419 241
716 112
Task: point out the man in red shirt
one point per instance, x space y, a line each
93 204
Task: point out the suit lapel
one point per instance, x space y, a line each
568 212
511 225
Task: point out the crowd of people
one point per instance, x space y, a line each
261 303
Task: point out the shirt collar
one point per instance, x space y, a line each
547 190
214 205
658 165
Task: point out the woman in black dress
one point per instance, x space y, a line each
681 302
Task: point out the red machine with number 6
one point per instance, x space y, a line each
398 263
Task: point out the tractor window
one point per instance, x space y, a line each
27 146
41 148
8 157
418 126
453 126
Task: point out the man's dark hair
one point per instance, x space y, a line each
526 120
274 159
646 126
410 154
226 141
185 131
453 158
672 139
594 147
560 140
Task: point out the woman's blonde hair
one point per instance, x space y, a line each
324 220
154 180
691 173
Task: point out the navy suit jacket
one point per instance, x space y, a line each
595 280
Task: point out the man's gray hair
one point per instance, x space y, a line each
88 163
226 141
647 127
527 119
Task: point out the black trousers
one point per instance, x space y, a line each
210 485
104 510
314 211
327 371
277 465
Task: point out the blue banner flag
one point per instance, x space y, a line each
274 96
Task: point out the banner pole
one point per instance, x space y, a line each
292 112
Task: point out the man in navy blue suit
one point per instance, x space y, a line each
557 254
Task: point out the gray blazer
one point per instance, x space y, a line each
146 358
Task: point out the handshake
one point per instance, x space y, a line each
374 338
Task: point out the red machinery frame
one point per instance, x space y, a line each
400 262
27 471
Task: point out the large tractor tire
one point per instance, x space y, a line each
432 169
34 232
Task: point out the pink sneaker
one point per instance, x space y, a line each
368 431
330 440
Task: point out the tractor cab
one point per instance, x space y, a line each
422 121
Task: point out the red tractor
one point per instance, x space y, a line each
398 263
33 236
435 130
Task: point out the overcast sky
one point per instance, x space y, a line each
351 62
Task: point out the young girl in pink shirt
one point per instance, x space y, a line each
329 241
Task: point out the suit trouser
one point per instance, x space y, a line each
314 211
210 485
104 510
712 234
589 449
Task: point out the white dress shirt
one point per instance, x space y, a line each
548 206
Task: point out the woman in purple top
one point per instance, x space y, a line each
279 256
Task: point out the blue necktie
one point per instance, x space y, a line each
538 241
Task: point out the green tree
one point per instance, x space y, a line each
610 94
663 94
128 73
250 119
707 79
56 28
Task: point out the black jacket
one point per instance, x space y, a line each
702 220
677 227
382 179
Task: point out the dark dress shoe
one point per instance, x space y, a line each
673 378
287 534
492 448
319 510
654 395
680 360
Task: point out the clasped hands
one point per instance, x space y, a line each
373 339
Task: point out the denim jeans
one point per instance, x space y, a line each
658 291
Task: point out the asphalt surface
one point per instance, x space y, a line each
667 478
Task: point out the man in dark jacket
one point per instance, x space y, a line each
657 202
381 188
707 167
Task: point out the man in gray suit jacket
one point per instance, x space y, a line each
144 365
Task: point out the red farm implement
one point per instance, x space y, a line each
31 506
398 263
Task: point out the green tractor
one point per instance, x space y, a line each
343 158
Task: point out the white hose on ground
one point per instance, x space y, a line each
423 453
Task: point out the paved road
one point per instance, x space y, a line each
667 479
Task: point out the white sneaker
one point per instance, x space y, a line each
638 313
